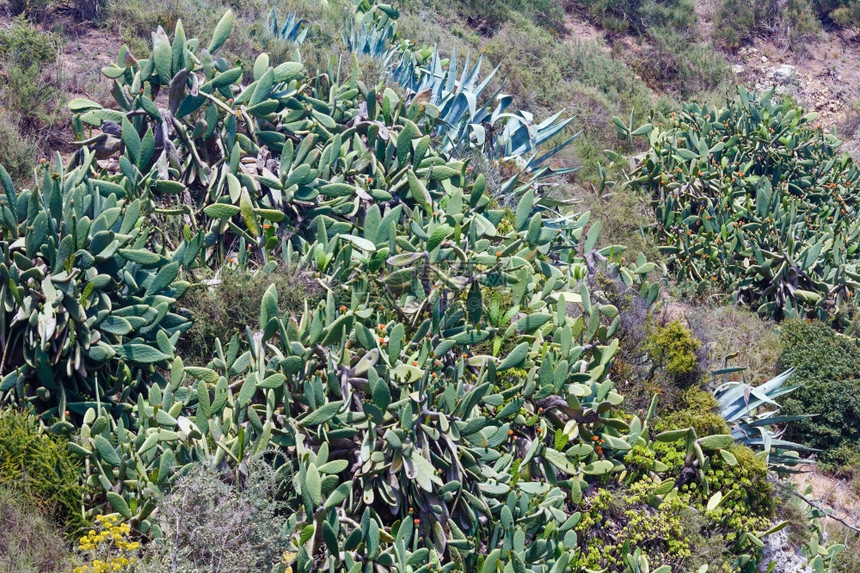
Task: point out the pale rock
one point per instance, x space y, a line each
784 73
778 550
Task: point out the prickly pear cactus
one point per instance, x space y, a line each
755 200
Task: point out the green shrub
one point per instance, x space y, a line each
828 375
30 542
28 97
22 43
697 409
841 12
18 152
40 466
672 349
738 21
531 62
680 530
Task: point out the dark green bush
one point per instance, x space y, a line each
828 373
39 466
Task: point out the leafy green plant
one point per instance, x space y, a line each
81 295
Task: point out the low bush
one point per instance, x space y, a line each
23 43
672 349
658 358
29 96
39 466
828 375
18 152
849 560
637 16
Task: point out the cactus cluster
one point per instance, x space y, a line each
754 199
446 406
86 291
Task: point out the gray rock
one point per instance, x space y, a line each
778 550
784 73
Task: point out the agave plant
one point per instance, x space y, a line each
291 32
468 117
371 30
752 412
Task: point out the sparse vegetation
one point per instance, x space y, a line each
30 542
791 22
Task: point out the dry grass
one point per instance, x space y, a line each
737 337
29 542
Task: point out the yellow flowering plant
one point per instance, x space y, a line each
107 547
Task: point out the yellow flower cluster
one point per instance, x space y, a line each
109 541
